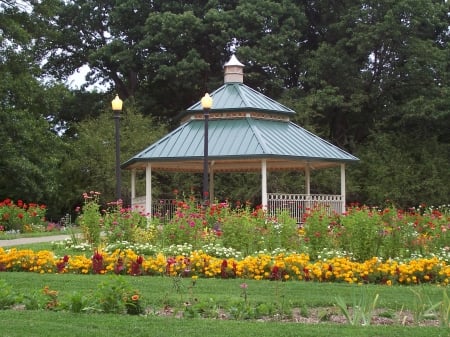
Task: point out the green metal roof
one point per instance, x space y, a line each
238 96
239 145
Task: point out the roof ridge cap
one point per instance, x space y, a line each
241 93
257 134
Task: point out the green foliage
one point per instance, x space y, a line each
424 308
116 296
444 313
88 162
362 309
316 229
365 232
90 221
361 233
7 295
78 302
33 300
121 224
244 230
390 170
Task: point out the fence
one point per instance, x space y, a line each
295 204
298 204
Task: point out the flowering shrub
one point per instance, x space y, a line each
120 224
21 217
188 225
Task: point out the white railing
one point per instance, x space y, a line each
161 208
138 204
296 204
299 204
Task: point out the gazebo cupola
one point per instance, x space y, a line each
234 71
248 132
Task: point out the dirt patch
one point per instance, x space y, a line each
317 315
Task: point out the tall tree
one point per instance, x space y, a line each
89 161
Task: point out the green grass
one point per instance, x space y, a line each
160 291
7 236
39 246
297 294
38 323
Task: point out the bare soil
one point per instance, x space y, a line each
328 315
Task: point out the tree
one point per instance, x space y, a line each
31 148
89 162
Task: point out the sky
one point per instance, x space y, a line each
78 78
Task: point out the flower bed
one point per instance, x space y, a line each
364 245
289 266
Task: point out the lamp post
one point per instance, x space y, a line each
117 108
206 105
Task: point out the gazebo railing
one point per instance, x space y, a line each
298 204
161 208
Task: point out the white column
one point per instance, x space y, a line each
148 190
307 180
133 185
343 187
308 186
264 184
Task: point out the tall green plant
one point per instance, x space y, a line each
361 235
362 310
317 232
282 232
444 313
90 218
244 230
7 295
423 307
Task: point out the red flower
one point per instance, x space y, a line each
119 267
170 262
62 264
223 269
97 263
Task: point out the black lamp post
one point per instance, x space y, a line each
206 105
117 108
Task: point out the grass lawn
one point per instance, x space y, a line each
158 292
36 234
45 323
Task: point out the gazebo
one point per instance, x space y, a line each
247 132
